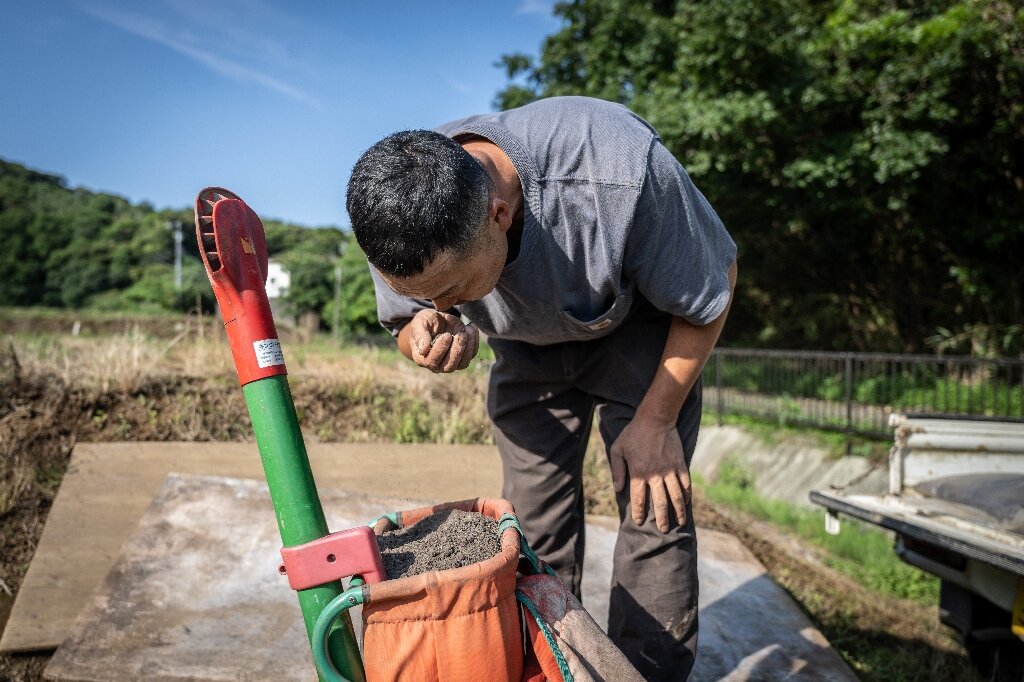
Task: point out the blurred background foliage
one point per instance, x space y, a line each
868 158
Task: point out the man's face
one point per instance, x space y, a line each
449 280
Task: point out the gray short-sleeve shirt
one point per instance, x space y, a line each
610 219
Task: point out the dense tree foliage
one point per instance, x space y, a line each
868 157
75 248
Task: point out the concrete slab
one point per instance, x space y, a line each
195 594
108 486
750 629
157 617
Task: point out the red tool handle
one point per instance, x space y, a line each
234 251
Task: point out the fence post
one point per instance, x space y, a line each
848 372
719 399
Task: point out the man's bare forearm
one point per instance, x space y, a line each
687 348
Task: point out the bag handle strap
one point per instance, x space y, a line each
563 666
512 521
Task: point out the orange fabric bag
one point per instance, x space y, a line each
456 625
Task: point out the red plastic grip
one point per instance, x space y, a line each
234 251
332 557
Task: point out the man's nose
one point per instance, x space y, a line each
443 304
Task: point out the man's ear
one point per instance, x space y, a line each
501 213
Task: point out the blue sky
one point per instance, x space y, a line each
274 100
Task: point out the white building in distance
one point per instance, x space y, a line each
278 280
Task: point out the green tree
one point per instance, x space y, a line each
312 281
868 157
311 263
358 312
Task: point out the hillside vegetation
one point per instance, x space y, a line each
73 248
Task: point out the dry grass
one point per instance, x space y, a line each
16 476
598 490
132 386
125 362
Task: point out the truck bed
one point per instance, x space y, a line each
962 528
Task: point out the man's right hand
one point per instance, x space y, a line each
439 341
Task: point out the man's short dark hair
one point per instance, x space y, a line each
414 195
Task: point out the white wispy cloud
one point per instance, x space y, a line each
235 26
186 42
541 7
456 85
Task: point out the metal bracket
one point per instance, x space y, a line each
333 557
832 525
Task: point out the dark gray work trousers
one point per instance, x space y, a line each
542 401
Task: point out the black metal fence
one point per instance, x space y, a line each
856 392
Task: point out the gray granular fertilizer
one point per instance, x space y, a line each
443 540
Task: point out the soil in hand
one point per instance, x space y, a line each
443 540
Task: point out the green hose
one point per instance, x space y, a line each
353 596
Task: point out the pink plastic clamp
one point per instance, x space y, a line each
332 557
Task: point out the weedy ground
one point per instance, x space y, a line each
126 384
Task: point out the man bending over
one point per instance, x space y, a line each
569 235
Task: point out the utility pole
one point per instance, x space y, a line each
178 236
336 325
336 328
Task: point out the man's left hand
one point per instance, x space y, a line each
652 453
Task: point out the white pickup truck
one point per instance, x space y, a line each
956 506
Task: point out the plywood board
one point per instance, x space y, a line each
109 485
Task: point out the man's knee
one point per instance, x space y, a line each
659 647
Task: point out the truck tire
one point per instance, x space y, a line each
999 660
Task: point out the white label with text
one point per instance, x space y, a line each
268 352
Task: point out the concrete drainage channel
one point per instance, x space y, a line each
787 470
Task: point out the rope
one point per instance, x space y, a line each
563 667
861 476
511 521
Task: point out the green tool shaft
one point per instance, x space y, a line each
300 517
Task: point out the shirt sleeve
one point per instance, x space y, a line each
678 251
394 310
